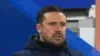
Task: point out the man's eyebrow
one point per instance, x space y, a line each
52 22
56 22
62 22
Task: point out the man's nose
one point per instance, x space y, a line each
58 28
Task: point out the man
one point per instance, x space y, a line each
51 26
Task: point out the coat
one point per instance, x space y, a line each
34 47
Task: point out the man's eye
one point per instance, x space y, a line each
63 24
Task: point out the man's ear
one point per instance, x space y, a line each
39 28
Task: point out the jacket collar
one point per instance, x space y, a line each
35 44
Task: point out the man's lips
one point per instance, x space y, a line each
58 35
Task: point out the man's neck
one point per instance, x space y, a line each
50 46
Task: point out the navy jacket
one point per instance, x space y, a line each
34 47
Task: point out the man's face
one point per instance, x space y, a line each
53 28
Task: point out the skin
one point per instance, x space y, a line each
52 30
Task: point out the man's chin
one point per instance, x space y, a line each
58 44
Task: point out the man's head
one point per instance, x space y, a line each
51 25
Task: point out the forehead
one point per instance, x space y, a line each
55 16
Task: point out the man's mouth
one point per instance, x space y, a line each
58 36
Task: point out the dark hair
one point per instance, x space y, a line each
40 14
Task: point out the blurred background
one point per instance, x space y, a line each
82 22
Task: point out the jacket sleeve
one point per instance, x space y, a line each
75 52
78 53
23 53
17 54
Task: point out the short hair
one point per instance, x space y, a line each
40 14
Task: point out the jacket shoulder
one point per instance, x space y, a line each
23 53
77 53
